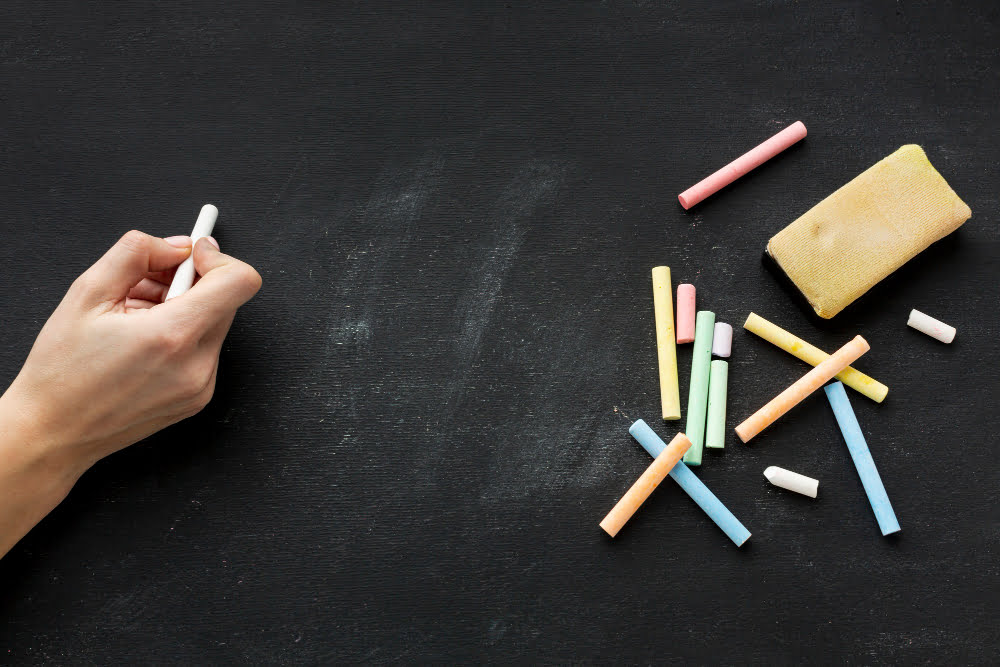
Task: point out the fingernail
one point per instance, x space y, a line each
211 239
179 241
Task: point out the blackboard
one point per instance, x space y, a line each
422 417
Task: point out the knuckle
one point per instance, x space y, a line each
190 409
86 283
248 275
198 393
134 241
205 397
191 389
201 379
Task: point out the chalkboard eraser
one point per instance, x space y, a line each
846 244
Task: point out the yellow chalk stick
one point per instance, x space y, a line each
813 356
801 388
649 480
666 346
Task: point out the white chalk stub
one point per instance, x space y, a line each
792 481
722 340
930 326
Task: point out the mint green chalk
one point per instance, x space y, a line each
701 360
715 432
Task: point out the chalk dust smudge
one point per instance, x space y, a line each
391 214
514 207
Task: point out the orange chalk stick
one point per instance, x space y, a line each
649 480
807 384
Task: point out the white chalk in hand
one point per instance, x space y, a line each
184 277
792 481
930 326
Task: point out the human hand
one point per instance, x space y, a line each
114 364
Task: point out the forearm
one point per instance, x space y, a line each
35 475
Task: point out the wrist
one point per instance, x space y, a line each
33 449
33 477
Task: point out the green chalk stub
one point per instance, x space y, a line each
697 408
715 432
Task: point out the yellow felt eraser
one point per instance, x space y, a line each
844 245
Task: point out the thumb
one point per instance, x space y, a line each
129 261
225 284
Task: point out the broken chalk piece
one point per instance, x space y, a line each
692 486
813 356
862 457
801 388
685 313
697 407
715 428
743 164
644 486
930 326
666 348
722 340
184 275
792 481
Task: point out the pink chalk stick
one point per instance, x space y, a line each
742 165
685 313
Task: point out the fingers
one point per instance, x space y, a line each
128 262
226 283
149 290
139 304
165 277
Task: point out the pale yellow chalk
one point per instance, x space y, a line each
805 385
666 343
649 480
813 356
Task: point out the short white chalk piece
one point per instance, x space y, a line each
930 326
792 481
184 276
722 340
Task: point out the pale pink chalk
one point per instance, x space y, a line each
742 165
685 313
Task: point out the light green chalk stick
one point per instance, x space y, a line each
715 432
701 360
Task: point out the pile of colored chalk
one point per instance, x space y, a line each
706 412
707 392
706 420
825 368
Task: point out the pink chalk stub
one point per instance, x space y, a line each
743 164
685 313
722 340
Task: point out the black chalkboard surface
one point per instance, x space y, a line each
423 416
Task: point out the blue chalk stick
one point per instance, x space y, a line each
693 486
862 456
